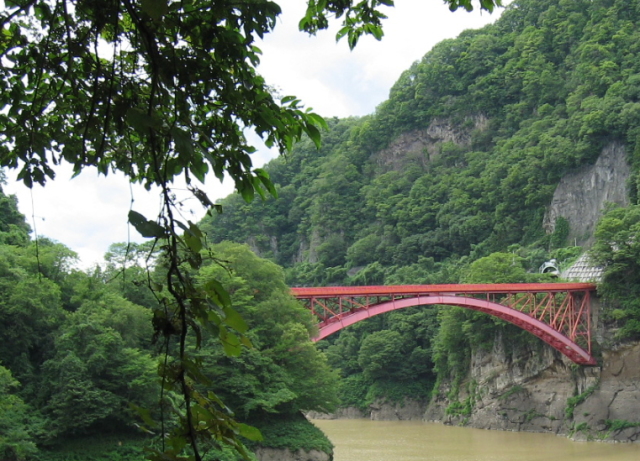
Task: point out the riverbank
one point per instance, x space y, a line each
531 389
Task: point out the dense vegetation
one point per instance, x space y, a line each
502 113
76 351
518 104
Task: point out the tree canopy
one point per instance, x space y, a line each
158 89
76 355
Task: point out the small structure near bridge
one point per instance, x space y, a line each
583 271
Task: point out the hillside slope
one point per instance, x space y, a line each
494 153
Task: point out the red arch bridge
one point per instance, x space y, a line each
557 313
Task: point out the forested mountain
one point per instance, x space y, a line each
449 180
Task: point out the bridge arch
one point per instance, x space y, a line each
538 328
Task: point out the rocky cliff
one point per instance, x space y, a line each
380 410
535 389
583 194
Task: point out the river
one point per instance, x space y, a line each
366 440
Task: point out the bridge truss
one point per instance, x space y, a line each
557 313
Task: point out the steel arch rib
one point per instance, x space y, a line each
543 331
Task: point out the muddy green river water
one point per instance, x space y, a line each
365 440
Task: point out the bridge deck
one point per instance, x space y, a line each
385 290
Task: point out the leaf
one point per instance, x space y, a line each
263 176
141 121
342 32
155 8
314 134
144 414
230 342
247 191
234 319
183 142
377 32
249 432
155 286
216 291
195 230
317 120
257 186
146 228
194 243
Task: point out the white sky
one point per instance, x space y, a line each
88 213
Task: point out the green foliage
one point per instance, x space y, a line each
496 268
293 432
513 390
175 101
501 89
398 391
460 408
464 409
451 349
617 249
381 354
560 233
354 392
617 425
97 448
530 98
13 228
88 371
17 440
573 402
94 376
284 372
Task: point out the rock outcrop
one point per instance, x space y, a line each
582 195
421 146
379 410
536 389
340 413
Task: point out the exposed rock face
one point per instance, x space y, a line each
340 413
519 390
582 195
532 389
616 398
408 410
379 411
277 454
421 146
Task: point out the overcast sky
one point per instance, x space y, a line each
88 213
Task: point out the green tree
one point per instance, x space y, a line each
284 373
13 228
381 354
99 369
497 268
617 249
16 440
171 97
